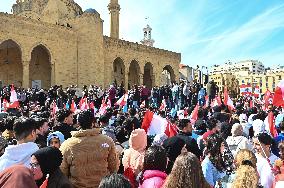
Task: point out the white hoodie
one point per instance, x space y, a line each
17 154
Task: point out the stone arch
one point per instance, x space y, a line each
11 67
148 77
40 67
134 73
168 75
118 71
45 46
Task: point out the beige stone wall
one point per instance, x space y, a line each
129 51
79 54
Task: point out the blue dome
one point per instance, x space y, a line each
90 10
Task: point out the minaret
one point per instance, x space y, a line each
147 40
114 9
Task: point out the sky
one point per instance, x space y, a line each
205 32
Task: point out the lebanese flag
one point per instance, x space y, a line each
108 103
227 100
206 101
103 108
216 102
14 103
163 105
154 124
73 106
278 99
54 108
271 123
122 101
267 98
243 88
142 105
91 105
226 96
194 114
256 91
230 104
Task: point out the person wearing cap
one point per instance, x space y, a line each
88 155
265 159
55 139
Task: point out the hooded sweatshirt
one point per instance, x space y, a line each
17 154
134 156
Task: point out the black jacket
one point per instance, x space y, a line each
191 144
64 129
58 180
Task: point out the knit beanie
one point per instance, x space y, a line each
138 139
49 159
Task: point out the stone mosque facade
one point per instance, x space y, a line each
48 42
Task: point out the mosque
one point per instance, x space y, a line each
48 42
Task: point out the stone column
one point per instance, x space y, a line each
53 77
141 78
26 74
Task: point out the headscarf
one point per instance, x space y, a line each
49 159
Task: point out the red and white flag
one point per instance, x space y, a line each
278 99
163 105
142 105
267 98
206 102
194 113
73 106
14 103
271 122
154 124
227 100
122 101
84 104
103 108
256 91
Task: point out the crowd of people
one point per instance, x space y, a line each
83 138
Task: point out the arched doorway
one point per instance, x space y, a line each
40 68
134 73
148 75
11 68
168 75
118 71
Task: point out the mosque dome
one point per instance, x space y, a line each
90 10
